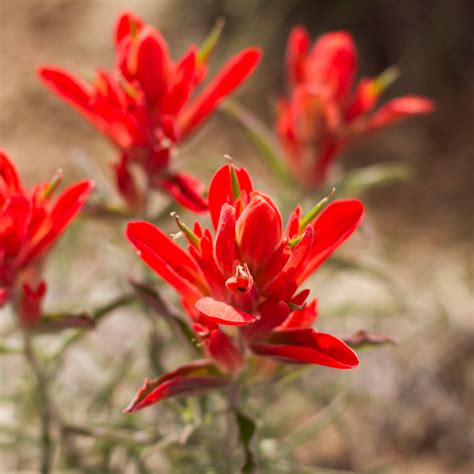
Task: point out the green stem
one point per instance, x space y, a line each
97 315
45 406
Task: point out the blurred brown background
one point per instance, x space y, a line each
412 405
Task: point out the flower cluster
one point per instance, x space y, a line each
324 112
30 222
247 274
145 106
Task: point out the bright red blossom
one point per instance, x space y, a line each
30 222
145 105
247 274
325 111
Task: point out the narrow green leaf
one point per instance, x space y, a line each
385 79
308 218
61 321
357 181
234 183
247 428
261 137
210 42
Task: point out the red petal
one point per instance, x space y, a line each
400 108
152 69
166 258
183 84
280 287
118 124
301 318
72 90
306 346
364 100
272 314
228 79
65 208
296 52
222 348
332 64
224 247
9 175
197 377
127 23
332 227
223 313
220 190
31 304
258 231
187 190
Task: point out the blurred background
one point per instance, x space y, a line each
407 408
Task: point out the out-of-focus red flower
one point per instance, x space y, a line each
248 274
30 222
147 105
325 111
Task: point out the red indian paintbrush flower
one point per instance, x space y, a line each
324 111
30 222
145 106
246 274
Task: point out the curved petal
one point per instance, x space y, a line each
152 65
9 175
198 377
65 208
166 258
332 63
220 190
74 91
228 79
258 231
306 346
397 109
272 314
331 228
222 349
296 52
223 313
187 190
224 247
128 24
301 318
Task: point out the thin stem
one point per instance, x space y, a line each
234 403
45 406
97 315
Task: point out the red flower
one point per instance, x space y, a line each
30 222
248 274
324 111
145 108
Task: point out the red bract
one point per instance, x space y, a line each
30 222
146 106
325 111
247 274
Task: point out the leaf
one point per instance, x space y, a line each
259 135
358 181
247 428
363 339
179 327
59 322
210 42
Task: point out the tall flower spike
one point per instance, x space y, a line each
30 223
246 275
148 105
324 112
